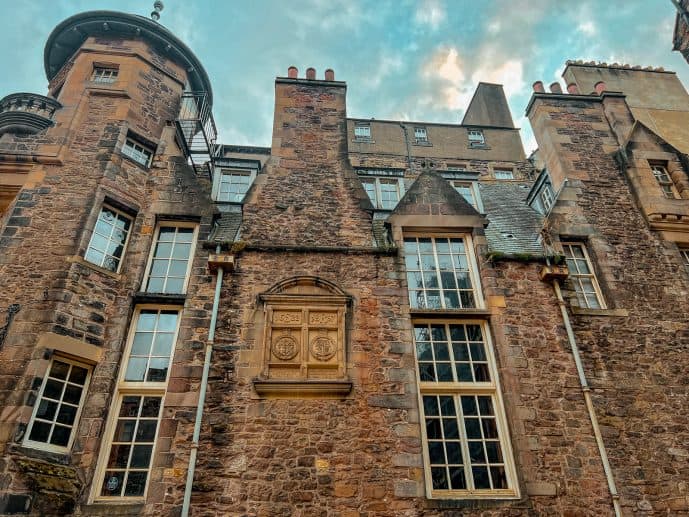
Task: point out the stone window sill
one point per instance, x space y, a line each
621 313
302 389
447 313
113 508
471 504
422 143
363 140
76 259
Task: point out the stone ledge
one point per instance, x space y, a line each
477 504
307 389
112 509
600 312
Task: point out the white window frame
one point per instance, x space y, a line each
576 276
231 171
135 150
27 442
120 214
456 389
420 134
472 270
360 128
151 254
662 176
503 173
105 74
684 253
377 181
130 388
547 198
476 137
475 194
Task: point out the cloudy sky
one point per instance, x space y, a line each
402 59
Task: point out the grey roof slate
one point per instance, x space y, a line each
227 225
431 194
514 226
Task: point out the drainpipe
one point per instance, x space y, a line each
589 403
406 142
202 394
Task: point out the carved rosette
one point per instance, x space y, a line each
323 348
285 348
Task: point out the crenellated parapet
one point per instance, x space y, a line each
27 113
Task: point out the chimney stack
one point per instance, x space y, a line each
600 87
555 87
538 87
329 75
292 72
573 89
310 73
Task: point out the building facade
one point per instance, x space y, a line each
368 317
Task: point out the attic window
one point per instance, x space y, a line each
476 138
503 174
104 74
421 135
469 191
362 132
137 150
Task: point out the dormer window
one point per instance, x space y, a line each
476 138
137 151
665 181
104 74
234 184
421 135
469 191
547 198
362 132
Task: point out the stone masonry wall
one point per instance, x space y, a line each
635 353
42 269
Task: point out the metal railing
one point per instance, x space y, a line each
196 132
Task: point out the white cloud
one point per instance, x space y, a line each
431 13
509 73
588 28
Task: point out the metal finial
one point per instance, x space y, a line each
157 7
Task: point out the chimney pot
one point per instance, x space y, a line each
573 89
538 87
600 87
310 73
292 72
329 75
555 87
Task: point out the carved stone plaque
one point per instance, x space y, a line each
323 348
323 318
287 317
285 347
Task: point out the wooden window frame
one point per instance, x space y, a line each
33 444
479 302
129 149
377 181
575 276
133 388
225 171
664 180
120 213
476 138
456 389
421 135
363 137
475 194
105 74
503 171
151 255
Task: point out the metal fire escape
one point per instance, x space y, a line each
196 132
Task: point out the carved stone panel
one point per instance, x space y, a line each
304 343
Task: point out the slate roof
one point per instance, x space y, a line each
227 225
514 226
431 194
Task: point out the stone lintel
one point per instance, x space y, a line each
73 347
303 389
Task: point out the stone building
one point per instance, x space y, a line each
368 317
